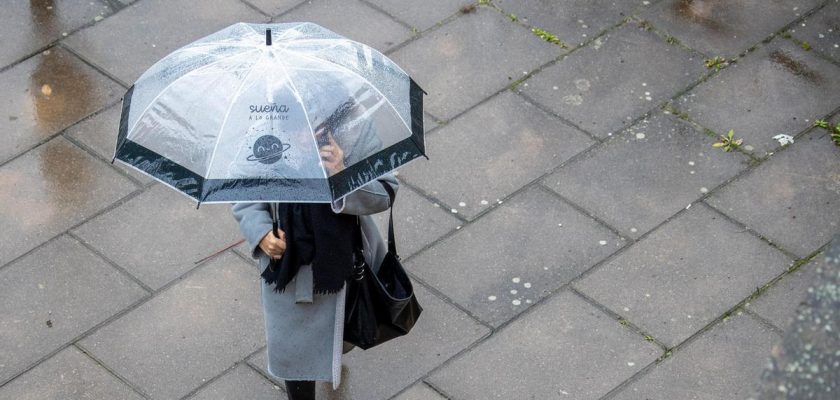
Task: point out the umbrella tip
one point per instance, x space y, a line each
268 37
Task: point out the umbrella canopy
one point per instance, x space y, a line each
240 115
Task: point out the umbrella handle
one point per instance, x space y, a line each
274 227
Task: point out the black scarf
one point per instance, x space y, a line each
314 235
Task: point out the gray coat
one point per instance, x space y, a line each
304 331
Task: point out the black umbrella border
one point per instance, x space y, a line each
203 190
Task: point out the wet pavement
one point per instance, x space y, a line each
593 244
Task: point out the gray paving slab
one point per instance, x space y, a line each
566 348
417 222
379 373
99 133
685 274
778 305
353 19
468 59
725 28
723 363
159 234
778 89
528 247
151 29
187 334
606 85
419 391
821 31
274 7
45 94
67 375
421 15
788 198
53 295
492 151
646 174
429 122
29 26
50 189
575 21
242 382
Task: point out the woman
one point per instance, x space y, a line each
303 325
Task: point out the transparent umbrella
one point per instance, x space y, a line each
240 116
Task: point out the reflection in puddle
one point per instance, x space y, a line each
57 85
699 12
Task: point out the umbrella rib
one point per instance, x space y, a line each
148 106
305 114
227 114
360 77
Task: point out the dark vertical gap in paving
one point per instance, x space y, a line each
113 167
368 4
61 133
255 8
627 324
293 8
113 373
767 324
110 262
738 307
750 231
97 68
104 210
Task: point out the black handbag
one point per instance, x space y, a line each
380 306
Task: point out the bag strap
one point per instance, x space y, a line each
392 243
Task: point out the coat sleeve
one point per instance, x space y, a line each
254 222
368 199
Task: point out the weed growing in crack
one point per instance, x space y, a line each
547 36
716 62
728 142
834 130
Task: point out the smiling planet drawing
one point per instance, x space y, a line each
268 149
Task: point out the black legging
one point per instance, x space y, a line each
300 390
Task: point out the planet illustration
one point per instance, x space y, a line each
268 149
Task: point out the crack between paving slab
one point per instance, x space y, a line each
113 373
624 322
738 307
104 210
766 323
255 8
56 41
92 65
59 133
93 154
110 262
92 330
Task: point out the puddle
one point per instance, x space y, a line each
58 87
699 12
795 67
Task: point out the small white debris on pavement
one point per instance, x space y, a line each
462 204
515 280
491 298
783 139
516 302
704 190
454 211
514 291
640 135
602 242
527 285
